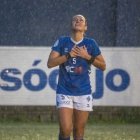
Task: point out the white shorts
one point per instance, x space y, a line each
83 102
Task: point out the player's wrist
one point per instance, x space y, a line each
91 59
88 57
68 56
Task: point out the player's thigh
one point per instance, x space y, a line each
80 118
65 118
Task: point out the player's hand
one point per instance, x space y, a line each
83 53
75 51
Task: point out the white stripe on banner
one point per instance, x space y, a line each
26 80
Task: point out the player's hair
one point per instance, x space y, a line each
81 16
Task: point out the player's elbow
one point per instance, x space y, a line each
49 65
103 68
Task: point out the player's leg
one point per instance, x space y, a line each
65 123
79 122
82 106
65 113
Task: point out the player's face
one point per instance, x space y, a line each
79 23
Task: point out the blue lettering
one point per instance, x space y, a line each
7 75
99 85
13 83
124 77
28 82
53 79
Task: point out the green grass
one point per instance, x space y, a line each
49 131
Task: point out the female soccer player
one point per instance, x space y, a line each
74 55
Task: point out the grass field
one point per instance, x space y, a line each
38 131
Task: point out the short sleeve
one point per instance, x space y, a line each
96 50
56 46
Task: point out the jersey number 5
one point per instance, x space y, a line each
74 60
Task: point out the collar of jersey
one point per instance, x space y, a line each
75 42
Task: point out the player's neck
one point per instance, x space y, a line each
77 36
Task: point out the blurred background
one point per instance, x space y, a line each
39 23
33 24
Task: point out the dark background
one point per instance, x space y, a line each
41 22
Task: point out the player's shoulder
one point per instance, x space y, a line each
64 38
89 40
61 40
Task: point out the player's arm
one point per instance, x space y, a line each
55 59
99 62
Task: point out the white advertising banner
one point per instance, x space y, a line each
26 80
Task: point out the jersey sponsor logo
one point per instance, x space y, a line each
78 70
72 69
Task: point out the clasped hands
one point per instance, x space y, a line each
80 51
